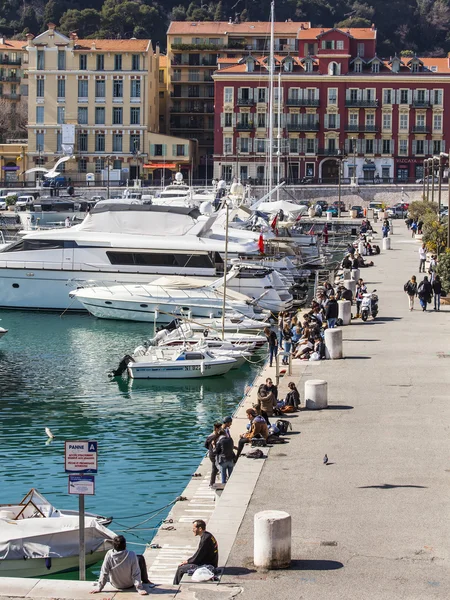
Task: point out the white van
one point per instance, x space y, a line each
24 201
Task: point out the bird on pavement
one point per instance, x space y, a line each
325 459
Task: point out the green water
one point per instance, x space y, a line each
53 373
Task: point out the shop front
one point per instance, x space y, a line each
408 169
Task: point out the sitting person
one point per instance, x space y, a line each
121 568
258 428
266 399
347 262
292 401
317 350
207 552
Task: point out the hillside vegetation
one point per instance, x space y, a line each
408 26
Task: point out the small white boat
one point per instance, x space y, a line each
3 332
233 324
37 540
177 363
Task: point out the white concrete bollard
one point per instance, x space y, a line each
361 247
355 274
316 394
391 224
350 284
329 215
333 344
345 311
272 539
347 274
386 243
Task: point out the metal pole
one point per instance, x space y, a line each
448 204
82 564
339 187
440 184
424 178
428 180
225 272
432 179
107 189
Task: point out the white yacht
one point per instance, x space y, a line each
122 243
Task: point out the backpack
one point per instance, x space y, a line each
283 425
406 286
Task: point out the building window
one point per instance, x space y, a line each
117 142
369 146
39 114
161 76
357 66
260 145
262 95
135 115
361 50
261 120
228 119
176 75
118 87
387 121
117 115
83 62
40 65
194 75
437 146
60 115
340 45
420 96
403 122
404 97
82 165
227 145
99 115
386 147
82 142
437 96
82 88
59 142
180 150
61 88
99 142
420 147
135 62
375 67
244 144
158 150
40 85
415 67
100 62
437 122
135 88
293 145
403 147
331 121
99 165
228 95
61 60
332 95
334 68
117 62
82 115
310 146
353 119
327 44
100 88
40 142
135 143
420 121
117 165
387 96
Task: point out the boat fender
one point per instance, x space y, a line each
48 563
122 366
202 367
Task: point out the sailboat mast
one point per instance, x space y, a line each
271 90
279 135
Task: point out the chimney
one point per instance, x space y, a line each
51 27
93 46
30 36
73 35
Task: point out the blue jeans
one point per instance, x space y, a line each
273 351
287 348
437 302
331 323
224 468
423 303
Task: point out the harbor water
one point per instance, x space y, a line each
54 373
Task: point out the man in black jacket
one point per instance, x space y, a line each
207 552
332 312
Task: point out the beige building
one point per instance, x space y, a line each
13 64
163 94
168 155
13 162
98 96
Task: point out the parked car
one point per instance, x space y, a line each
323 204
396 212
55 182
429 177
334 210
359 211
343 209
376 205
24 201
304 203
3 204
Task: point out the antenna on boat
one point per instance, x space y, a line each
271 90
225 268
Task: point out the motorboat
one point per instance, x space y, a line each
164 299
231 324
179 193
38 540
179 363
3 331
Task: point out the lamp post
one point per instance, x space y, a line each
424 178
108 158
432 178
339 161
354 161
440 163
428 180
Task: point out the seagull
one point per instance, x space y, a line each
325 459
49 433
50 173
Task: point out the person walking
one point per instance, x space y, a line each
422 258
273 344
425 292
287 343
413 228
332 312
210 445
410 288
224 452
432 268
437 289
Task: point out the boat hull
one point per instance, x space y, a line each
177 370
37 567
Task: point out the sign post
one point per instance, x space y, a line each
80 458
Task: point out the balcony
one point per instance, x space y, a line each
192 110
302 126
329 152
420 129
302 102
5 60
421 103
245 126
362 103
362 128
10 96
10 78
245 101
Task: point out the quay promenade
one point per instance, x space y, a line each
373 524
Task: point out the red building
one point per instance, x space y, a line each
335 101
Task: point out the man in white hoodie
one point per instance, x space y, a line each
121 568
422 258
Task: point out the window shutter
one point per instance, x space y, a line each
250 93
234 120
442 145
427 95
222 119
347 94
358 94
409 96
325 121
152 149
440 97
300 93
414 147
238 144
174 149
398 96
316 93
425 146
347 146
338 121
316 146
239 93
164 149
392 146
359 146
250 144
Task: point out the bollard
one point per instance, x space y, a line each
345 311
316 394
391 225
333 344
272 539
347 274
386 243
329 215
350 284
355 274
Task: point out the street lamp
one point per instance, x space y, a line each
441 166
108 158
340 158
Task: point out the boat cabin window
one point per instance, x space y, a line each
32 245
194 356
199 261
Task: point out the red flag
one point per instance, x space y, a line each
261 243
325 234
274 222
311 231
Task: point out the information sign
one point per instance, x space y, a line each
82 484
81 457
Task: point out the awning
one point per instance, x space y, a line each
369 167
160 166
10 168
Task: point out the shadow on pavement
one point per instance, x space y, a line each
339 407
390 486
358 357
358 340
315 565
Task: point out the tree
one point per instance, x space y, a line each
443 270
353 22
85 22
418 209
219 14
178 13
13 118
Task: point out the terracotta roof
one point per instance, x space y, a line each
13 45
198 28
359 33
162 60
132 45
442 64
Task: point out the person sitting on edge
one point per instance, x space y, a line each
121 567
207 552
292 401
258 428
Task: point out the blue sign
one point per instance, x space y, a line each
82 485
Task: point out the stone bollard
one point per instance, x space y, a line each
347 274
386 243
329 215
333 343
272 539
355 274
316 394
345 311
350 284
391 224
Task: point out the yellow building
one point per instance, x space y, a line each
94 99
13 163
163 95
13 63
168 155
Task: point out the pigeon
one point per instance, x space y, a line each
325 459
49 433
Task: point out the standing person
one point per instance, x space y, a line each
210 445
422 258
67 222
207 552
361 289
332 312
121 568
227 422
224 453
273 343
410 288
432 268
437 289
287 342
413 228
425 291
